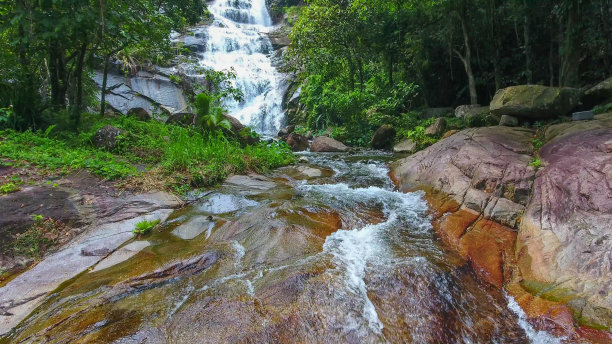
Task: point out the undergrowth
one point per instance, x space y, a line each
177 157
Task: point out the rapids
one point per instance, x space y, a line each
290 258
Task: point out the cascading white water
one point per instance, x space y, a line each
237 40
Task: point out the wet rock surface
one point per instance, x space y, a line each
99 220
327 144
327 259
485 196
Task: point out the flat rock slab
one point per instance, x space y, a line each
224 204
121 255
484 169
252 181
310 172
24 293
194 227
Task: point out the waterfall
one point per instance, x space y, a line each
238 40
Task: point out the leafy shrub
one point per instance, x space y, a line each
8 188
603 108
144 227
536 162
210 119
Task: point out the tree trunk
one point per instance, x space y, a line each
467 62
78 95
104 83
570 54
527 43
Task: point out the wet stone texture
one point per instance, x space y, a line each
325 262
542 235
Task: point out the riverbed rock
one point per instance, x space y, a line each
508 121
406 146
470 111
437 128
102 222
478 182
534 102
565 246
327 144
383 137
297 142
598 94
107 137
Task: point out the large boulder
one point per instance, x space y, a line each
437 128
237 126
284 132
383 137
327 144
534 102
406 146
598 94
139 113
297 142
107 137
470 111
565 235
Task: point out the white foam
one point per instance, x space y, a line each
535 337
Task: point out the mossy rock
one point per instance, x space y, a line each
534 102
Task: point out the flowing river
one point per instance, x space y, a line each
317 253
322 252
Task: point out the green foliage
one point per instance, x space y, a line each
210 119
603 108
8 188
537 143
536 162
144 227
187 157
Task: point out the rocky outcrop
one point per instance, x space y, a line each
153 92
406 146
598 94
508 121
565 235
100 219
107 137
139 113
383 137
542 234
327 144
437 128
534 102
470 111
297 142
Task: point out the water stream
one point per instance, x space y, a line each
321 252
237 41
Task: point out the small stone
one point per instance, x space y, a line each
508 121
437 128
297 142
583 116
303 160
